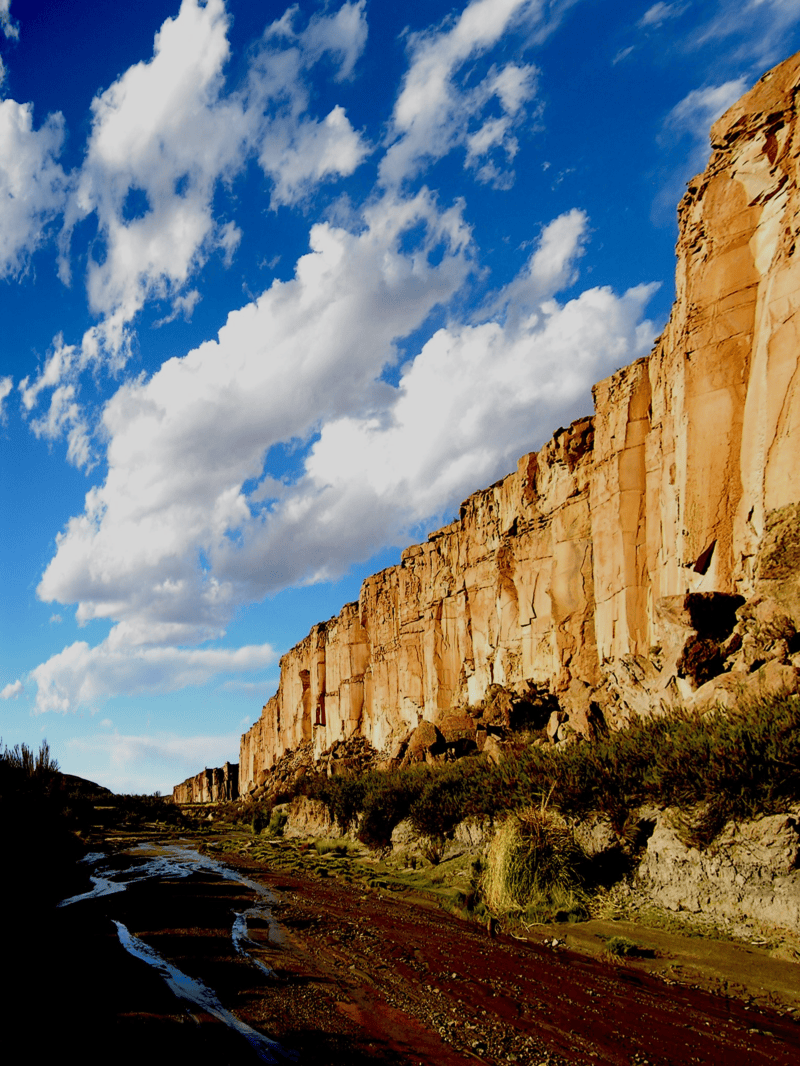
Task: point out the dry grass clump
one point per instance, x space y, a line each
534 868
620 947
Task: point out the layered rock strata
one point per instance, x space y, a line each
608 569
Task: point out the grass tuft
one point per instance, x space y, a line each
620 947
534 866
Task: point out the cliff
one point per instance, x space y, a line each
608 570
209 786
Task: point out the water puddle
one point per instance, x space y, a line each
198 994
241 940
174 862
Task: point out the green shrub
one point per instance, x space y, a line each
277 822
342 795
718 766
387 801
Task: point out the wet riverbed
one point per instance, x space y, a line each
172 956
172 863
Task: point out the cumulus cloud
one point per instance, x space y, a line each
473 400
182 445
82 675
11 691
298 154
189 523
163 137
33 186
166 132
439 108
297 150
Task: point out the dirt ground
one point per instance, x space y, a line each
367 975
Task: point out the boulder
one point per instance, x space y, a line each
425 740
309 818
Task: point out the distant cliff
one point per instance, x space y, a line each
608 569
209 786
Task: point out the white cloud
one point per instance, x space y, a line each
291 363
472 401
81 675
660 13
12 690
299 154
64 415
182 445
700 109
439 109
163 137
182 305
32 184
165 133
296 150
6 385
551 268
55 619
762 27
128 753
7 24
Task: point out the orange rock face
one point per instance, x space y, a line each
570 572
209 786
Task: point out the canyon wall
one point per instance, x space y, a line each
216 785
588 571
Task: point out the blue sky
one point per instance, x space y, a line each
279 287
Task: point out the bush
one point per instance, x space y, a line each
40 816
534 865
342 795
621 947
731 765
387 801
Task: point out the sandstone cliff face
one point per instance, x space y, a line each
587 570
209 786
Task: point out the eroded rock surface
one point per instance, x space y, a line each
608 569
751 871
